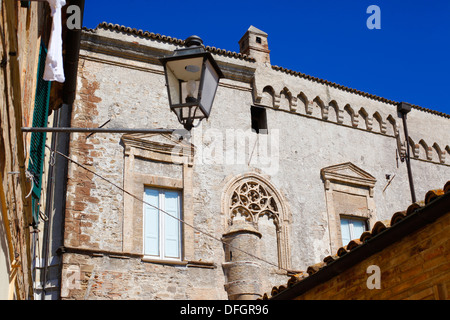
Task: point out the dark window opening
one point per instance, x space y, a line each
259 119
258 40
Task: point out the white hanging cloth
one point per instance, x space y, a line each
54 69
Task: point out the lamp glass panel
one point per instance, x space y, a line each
185 91
173 86
210 83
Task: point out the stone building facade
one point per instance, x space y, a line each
262 187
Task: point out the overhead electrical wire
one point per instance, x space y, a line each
180 220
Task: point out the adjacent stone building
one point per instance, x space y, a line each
287 169
29 171
22 31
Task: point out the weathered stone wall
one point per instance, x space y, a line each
121 81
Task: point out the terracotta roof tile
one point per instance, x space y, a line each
164 38
415 206
341 251
366 235
433 194
314 268
398 216
296 278
447 187
353 244
379 227
330 259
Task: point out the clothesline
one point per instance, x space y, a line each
54 68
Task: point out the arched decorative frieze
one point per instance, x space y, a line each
393 126
286 99
367 119
303 103
415 148
249 197
425 152
381 125
268 96
353 117
333 111
440 154
319 109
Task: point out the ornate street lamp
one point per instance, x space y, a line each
192 77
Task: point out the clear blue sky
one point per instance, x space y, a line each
408 59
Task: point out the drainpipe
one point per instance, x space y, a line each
405 108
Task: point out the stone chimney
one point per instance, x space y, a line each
254 44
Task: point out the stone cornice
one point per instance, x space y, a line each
232 67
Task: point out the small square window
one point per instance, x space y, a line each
258 40
259 119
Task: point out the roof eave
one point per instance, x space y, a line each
423 216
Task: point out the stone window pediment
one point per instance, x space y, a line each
348 173
160 147
349 193
158 161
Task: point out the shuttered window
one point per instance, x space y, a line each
351 229
37 144
162 229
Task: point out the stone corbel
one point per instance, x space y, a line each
355 120
293 104
383 127
276 101
340 116
325 113
430 153
309 107
369 123
415 150
257 94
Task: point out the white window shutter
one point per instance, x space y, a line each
172 225
151 221
345 231
358 228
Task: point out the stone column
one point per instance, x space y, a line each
242 271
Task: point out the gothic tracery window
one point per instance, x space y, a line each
250 200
